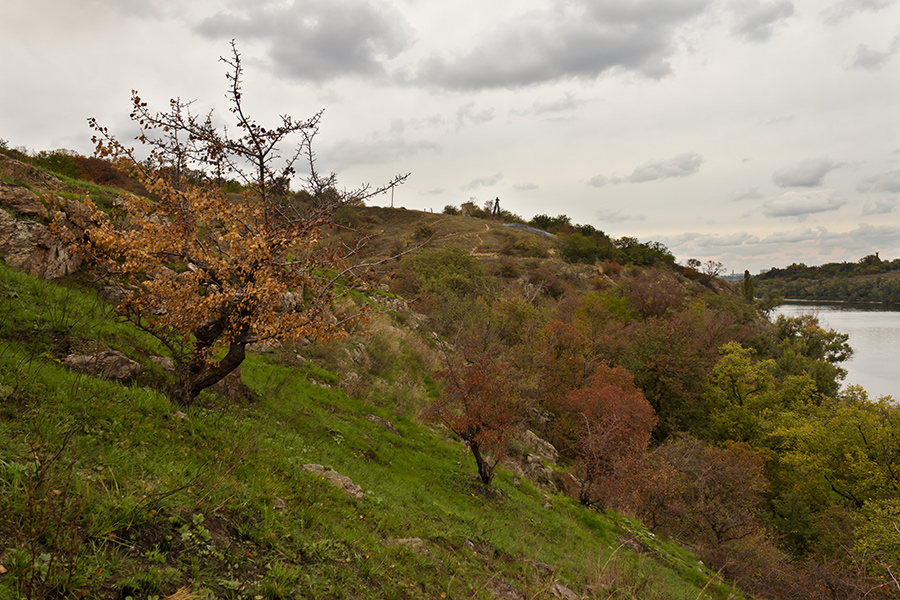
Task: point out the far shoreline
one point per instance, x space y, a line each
885 305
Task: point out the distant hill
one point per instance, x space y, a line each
871 279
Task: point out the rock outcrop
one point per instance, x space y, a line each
25 241
341 481
29 246
539 447
107 363
16 170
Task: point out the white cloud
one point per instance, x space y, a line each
381 148
467 114
750 194
481 182
800 205
615 216
810 172
846 9
810 245
566 103
889 181
883 206
601 180
682 165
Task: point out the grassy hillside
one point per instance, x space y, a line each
347 469
109 491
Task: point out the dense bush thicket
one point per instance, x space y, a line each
690 410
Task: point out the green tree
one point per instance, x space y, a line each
878 538
804 346
852 442
579 248
747 287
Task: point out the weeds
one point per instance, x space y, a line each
45 502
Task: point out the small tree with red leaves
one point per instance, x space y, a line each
616 422
480 406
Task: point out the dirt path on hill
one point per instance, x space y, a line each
478 241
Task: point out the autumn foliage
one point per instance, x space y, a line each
479 406
614 425
208 274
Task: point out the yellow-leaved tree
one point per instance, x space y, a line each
210 274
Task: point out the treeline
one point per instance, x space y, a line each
682 407
871 279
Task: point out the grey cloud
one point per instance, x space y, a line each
379 149
841 11
678 166
616 216
481 182
601 180
526 187
467 114
703 242
883 206
869 237
793 236
740 238
318 40
888 181
565 104
756 20
800 205
810 172
682 165
575 39
873 60
863 237
751 194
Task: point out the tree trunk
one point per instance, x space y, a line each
201 374
485 468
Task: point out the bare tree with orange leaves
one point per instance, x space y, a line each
210 274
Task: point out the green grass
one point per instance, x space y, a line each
110 491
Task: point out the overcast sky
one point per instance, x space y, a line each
753 132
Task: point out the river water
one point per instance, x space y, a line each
874 335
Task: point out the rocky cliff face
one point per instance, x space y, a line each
25 241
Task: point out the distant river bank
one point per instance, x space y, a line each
874 336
